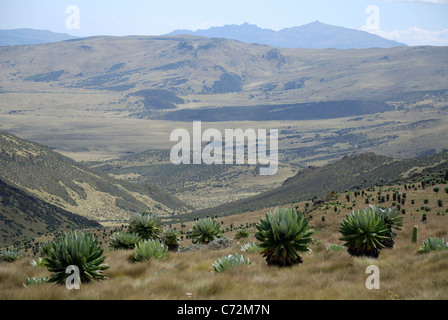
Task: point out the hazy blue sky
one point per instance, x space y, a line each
415 22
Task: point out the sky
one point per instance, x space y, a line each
414 22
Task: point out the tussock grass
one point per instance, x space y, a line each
333 275
404 273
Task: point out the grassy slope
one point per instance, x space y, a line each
357 170
68 185
25 216
404 274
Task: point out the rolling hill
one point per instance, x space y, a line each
93 97
153 74
315 35
71 187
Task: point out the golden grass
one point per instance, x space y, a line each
323 275
333 275
404 274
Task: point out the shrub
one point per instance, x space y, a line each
393 219
148 249
194 247
242 233
205 231
250 247
433 244
76 249
282 234
40 262
124 241
35 281
147 225
45 248
10 255
364 233
219 244
171 238
230 261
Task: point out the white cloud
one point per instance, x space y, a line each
414 36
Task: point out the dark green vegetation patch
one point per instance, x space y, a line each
301 111
46 77
155 99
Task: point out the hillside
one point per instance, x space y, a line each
315 35
31 36
350 173
67 185
201 186
25 216
190 71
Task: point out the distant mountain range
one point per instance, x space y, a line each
314 35
31 36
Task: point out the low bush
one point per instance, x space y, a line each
149 249
433 244
230 261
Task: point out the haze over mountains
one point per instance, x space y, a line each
31 36
315 35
